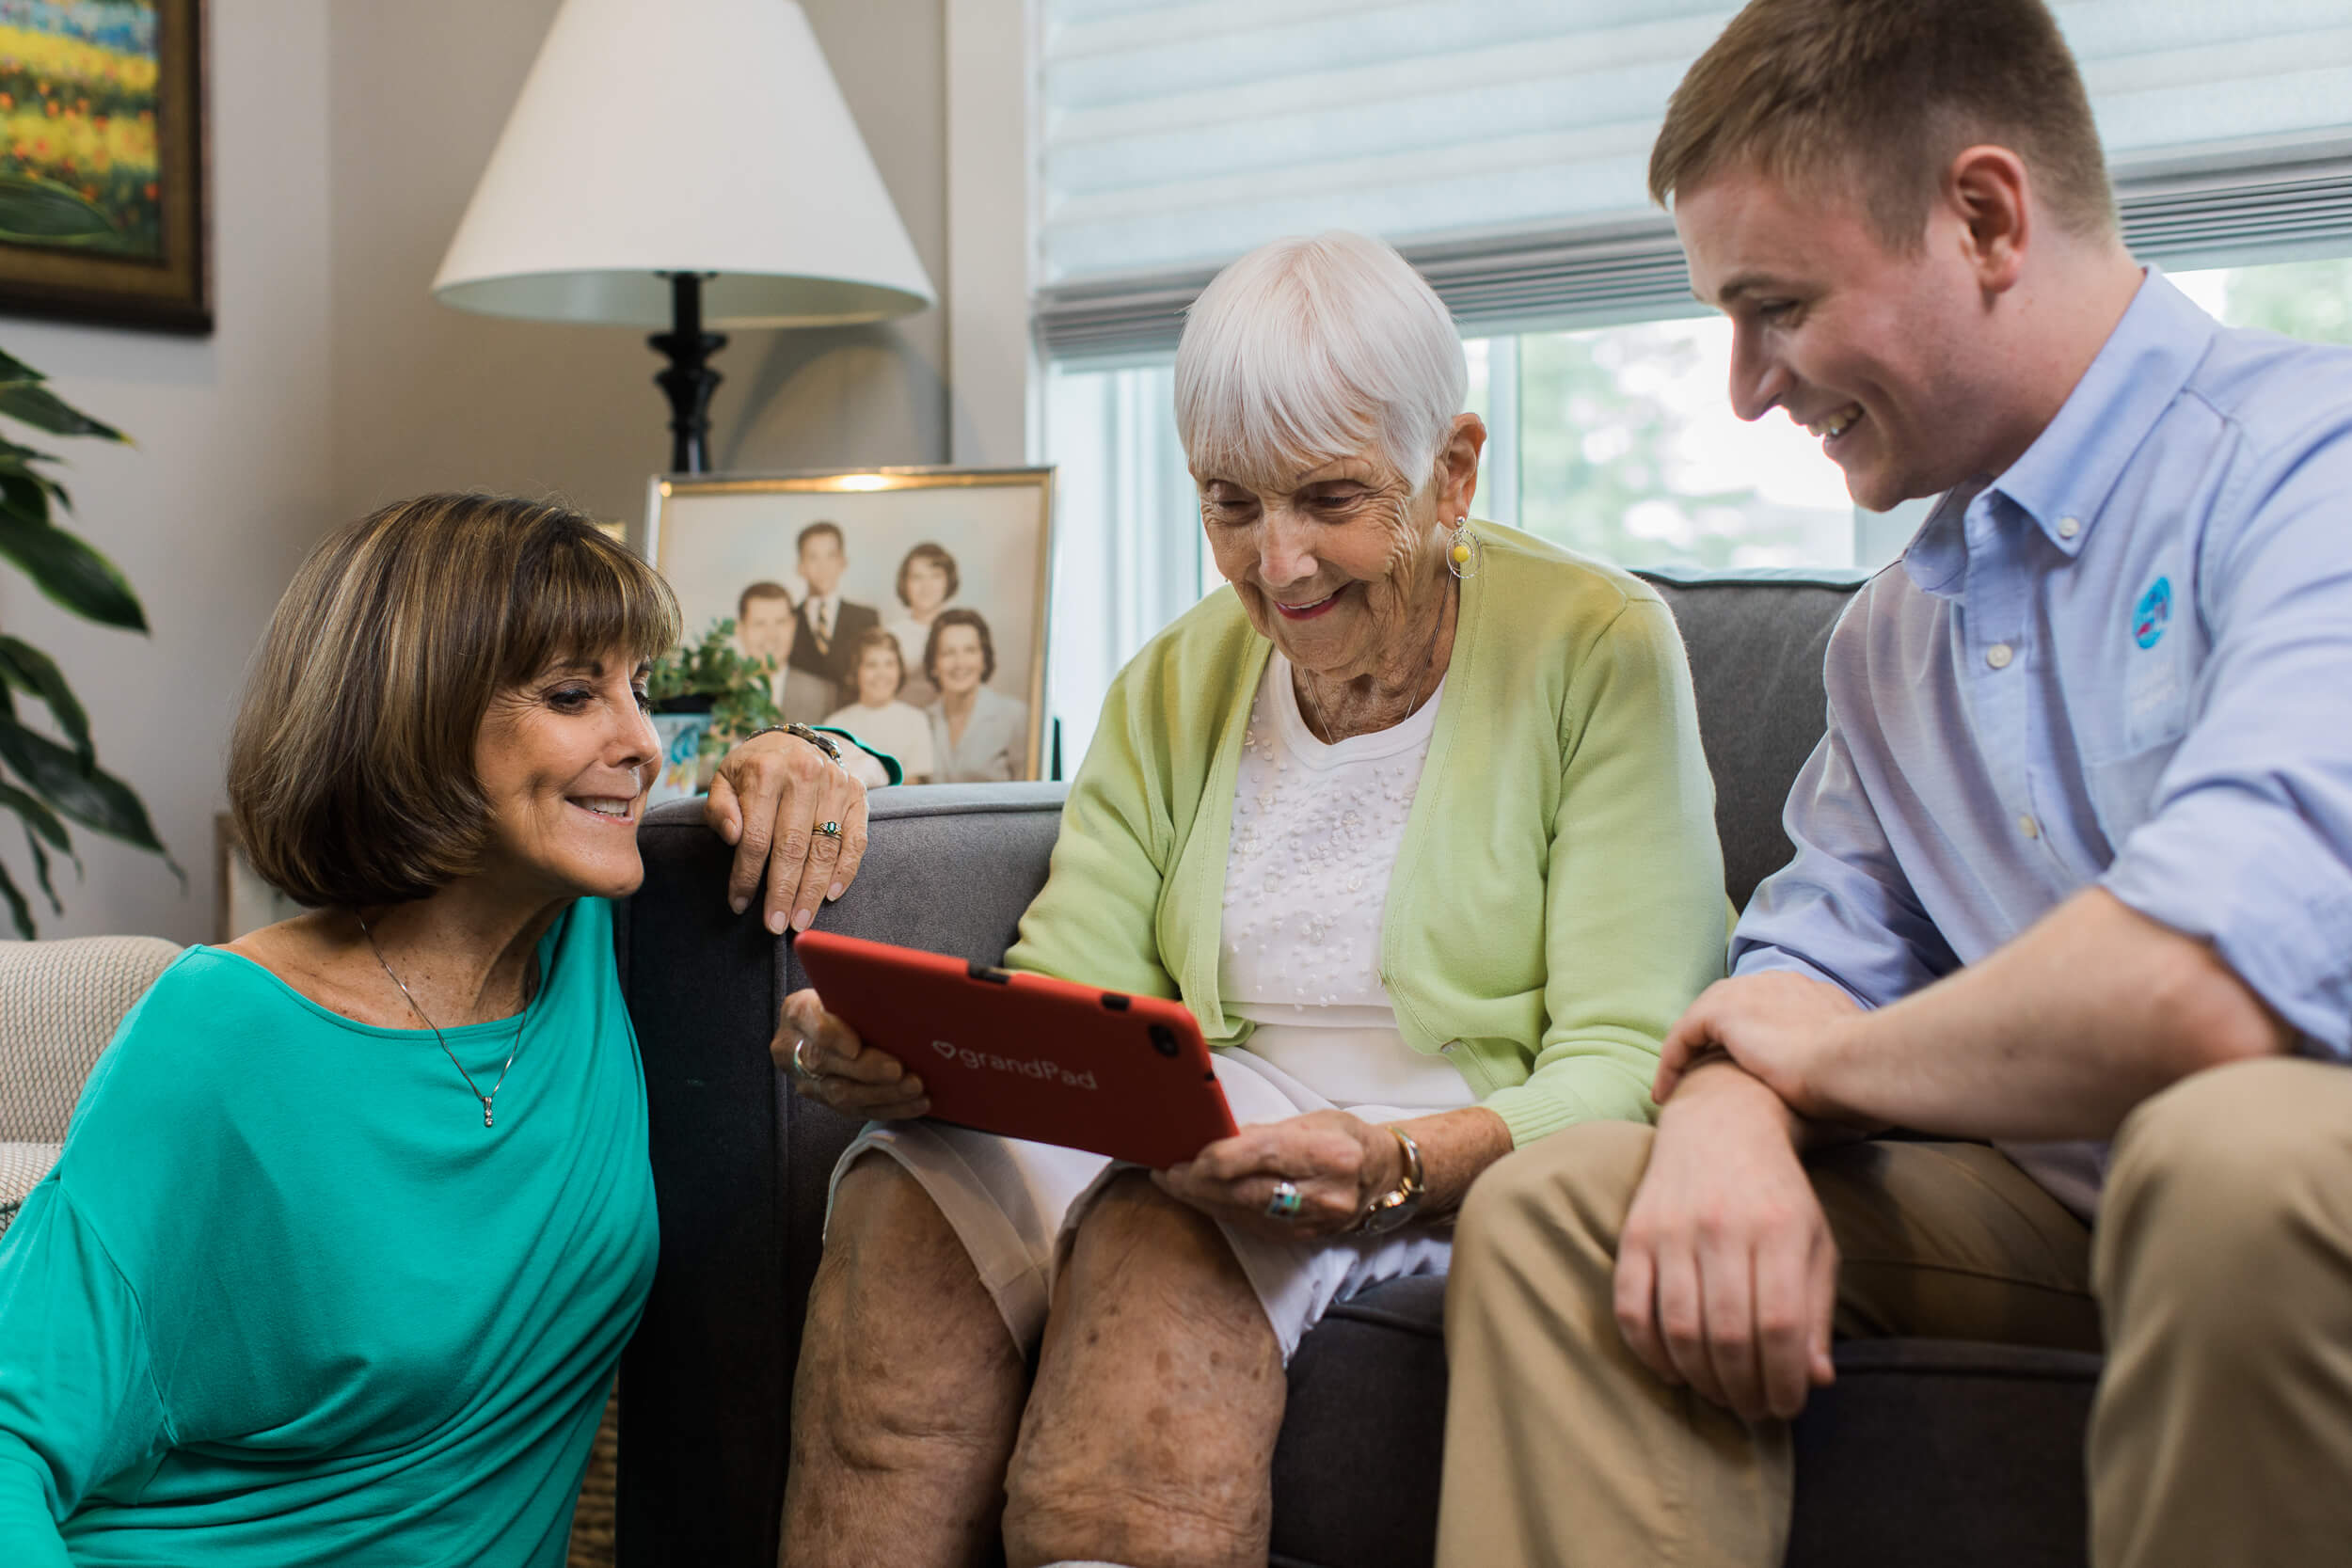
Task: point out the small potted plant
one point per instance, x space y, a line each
705 695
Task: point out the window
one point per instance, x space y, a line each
1501 144
1618 442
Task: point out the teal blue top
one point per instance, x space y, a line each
286 1300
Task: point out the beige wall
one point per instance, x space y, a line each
347 135
427 397
208 514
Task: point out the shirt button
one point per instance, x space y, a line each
2069 527
1999 654
2027 826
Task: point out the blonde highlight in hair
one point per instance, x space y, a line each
1306 350
351 767
1881 96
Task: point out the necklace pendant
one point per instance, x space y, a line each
486 1113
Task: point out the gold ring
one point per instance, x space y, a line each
831 829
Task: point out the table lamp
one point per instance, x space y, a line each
691 164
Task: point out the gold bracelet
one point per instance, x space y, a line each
1398 1206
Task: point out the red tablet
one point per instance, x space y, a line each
1028 1056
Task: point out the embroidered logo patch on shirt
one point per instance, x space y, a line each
2153 614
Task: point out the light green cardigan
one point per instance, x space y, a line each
1558 899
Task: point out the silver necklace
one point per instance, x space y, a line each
1427 654
486 1098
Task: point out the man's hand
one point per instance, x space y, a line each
771 794
1778 1026
1728 1274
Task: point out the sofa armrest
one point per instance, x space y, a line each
60 1004
740 1163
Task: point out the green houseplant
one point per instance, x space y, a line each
714 675
52 780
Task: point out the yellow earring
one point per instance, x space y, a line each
1463 550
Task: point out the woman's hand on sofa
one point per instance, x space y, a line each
772 797
829 1064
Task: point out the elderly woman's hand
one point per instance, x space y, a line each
1339 1163
829 1064
772 799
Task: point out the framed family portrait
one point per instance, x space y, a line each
103 162
906 605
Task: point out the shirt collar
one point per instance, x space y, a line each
1937 557
2063 480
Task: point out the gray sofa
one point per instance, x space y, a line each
1925 1453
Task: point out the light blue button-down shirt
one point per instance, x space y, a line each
2126 661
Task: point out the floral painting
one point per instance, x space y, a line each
77 111
101 161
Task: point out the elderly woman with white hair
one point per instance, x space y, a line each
1416 822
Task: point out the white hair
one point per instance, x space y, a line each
1309 349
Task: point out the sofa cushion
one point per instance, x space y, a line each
1755 642
21 1167
1933 1453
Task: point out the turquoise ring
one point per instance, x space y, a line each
1284 1204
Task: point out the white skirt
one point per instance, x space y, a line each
1016 1205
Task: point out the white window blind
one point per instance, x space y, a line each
1503 144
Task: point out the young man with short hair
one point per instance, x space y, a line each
2074 866
830 625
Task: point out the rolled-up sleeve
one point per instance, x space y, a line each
2249 845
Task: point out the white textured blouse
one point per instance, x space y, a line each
1317 830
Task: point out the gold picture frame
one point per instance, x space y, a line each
750 548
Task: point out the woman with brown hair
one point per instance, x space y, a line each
977 735
927 578
356 1212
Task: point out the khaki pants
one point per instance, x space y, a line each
2222 1264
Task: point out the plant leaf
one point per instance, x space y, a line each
17 906
62 566
40 870
31 672
46 213
43 409
96 799
38 819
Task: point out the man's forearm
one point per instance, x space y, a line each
2056 1034
1717 1085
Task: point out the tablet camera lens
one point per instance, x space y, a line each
1164 1039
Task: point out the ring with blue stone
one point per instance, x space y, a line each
1285 1203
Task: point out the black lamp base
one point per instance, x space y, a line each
689 380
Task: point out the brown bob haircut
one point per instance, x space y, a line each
1883 94
350 768
940 622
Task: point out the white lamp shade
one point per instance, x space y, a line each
682 135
